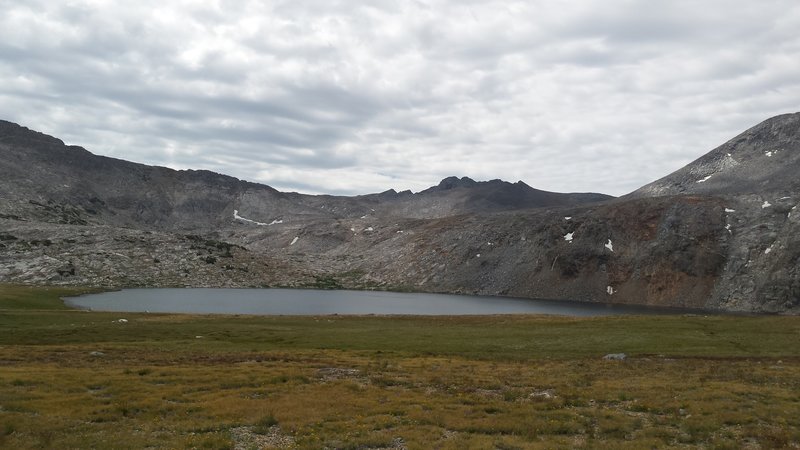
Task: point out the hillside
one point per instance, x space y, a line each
719 233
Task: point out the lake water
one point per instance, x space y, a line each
320 302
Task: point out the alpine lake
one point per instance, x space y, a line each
320 302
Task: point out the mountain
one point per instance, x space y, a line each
761 161
48 181
720 233
755 177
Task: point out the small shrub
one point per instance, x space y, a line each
326 282
512 395
506 446
9 429
264 424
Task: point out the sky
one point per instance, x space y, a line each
345 97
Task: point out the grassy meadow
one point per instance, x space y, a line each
76 379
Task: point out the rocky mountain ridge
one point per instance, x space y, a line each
49 181
720 233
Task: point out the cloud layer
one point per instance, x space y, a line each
341 97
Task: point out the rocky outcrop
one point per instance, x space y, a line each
755 175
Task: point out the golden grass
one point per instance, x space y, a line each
448 383
362 401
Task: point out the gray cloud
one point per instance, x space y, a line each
341 97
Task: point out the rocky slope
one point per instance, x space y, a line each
761 161
756 176
719 233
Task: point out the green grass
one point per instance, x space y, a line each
483 337
181 381
20 297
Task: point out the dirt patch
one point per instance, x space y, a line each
245 438
337 373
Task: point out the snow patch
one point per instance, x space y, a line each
728 210
705 179
294 241
768 154
369 229
478 255
352 229
261 224
766 204
769 249
609 245
122 321
364 217
568 237
400 231
728 227
489 244
568 218
610 290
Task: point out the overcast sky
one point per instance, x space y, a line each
327 96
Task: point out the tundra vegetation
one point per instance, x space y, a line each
76 379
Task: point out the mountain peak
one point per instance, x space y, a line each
10 131
455 182
765 158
